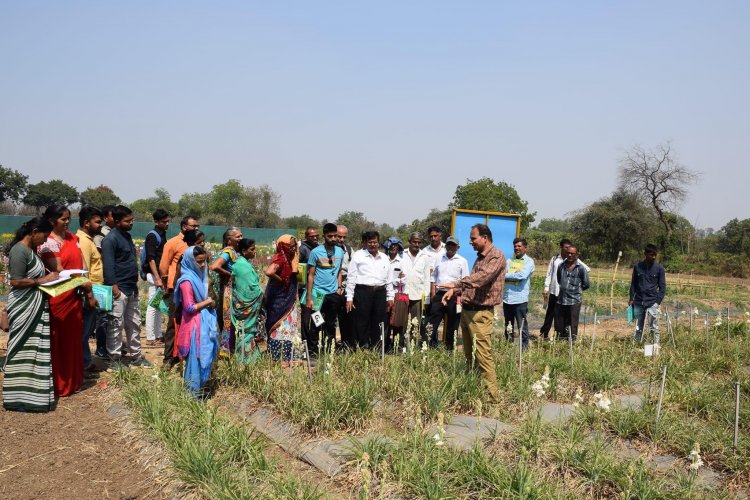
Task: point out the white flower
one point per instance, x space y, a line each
718 321
424 359
424 347
538 389
403 350
438 439
414 322
602 402
696 462
696 311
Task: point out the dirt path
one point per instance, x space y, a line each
77 451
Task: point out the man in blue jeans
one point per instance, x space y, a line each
647 289
324 278
516 292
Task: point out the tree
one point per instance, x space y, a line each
734 237
13 184
487 195
356 223
195 204
54 192
657 178
144 208
99 196
436 217
301 222
621 221
553 225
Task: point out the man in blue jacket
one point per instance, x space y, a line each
647 289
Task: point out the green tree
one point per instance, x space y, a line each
13 185
734 237
435 217
487 195
195 204
356 223
99 196
54 192
301 222
144 208
621 221
553 225
244 205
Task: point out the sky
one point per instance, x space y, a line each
379 107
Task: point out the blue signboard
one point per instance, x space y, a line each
505 228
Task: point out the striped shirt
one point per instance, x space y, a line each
484 286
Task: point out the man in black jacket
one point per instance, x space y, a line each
647 289
121 273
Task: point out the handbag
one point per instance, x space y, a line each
400 311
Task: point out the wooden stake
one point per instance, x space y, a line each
707 329
382 341
670 330
736 414
661 393
727 323
520 345
570 346
593 332
612 287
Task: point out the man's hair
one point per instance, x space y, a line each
483 230
369 235
565 241
120 212
329 228
341 226
186 219
307 230
651 248
87 213
521 241
415 234
434 229
106 210
160 214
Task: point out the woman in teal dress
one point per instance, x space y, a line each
247 299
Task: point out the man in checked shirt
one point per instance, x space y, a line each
481 291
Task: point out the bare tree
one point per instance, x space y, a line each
657 177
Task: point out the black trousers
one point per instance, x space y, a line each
567 316
346 326
330 308
169 334
515 314
549 316
435 317
370 311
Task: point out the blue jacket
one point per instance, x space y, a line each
649 284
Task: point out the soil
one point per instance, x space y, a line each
76 451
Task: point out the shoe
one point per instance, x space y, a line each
142 362
101 355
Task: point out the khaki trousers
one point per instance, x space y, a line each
476 331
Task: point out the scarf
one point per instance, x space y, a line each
286 262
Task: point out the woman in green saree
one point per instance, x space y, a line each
247 299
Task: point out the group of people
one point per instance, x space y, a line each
217 306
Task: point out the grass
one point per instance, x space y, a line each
209 452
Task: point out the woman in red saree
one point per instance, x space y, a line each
60 252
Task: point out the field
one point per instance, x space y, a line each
573 421
417 425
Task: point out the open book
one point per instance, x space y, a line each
66 275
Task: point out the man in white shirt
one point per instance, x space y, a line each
551 286
436 248
416 266
369 290
451 267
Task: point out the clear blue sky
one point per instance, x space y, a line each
382 107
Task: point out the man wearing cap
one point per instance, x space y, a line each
516 292
480 292
450 267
